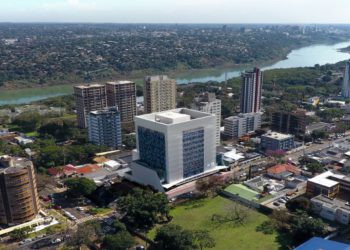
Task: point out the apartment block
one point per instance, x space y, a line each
159 93
293 122
105 127
89 98
209 104
251 91
122 94
19 200
242 124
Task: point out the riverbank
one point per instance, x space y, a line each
290 58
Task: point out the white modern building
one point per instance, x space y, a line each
277 141
242 124
346 83
105 127
173 147
209 104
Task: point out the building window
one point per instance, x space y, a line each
152 149
193 152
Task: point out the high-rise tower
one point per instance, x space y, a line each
159 94
345 92
251 91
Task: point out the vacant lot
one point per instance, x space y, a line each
198 214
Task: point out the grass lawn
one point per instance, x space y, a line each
32 134
197 215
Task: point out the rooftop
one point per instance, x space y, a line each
240 116
105 111
87 86
323 179
276 135
9 164
174 116
120 82
277 169
317 243
334 203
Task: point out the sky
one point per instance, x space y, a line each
176 11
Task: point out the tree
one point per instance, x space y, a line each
86 234
203 239
304 227
80 186
20 234
129 141
210 185
120 241
28 121
144 208
173 237
299 203
119 226
315 167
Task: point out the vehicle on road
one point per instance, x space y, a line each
276 204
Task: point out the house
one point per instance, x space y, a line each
283 171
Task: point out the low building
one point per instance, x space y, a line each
105 127
283 171
19 201
317 243
332 209
242 124
276 141
325 184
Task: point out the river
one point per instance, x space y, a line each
303 57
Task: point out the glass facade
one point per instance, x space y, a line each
193 152
152 149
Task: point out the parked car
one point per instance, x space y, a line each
276 204
281 201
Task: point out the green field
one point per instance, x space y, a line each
197 215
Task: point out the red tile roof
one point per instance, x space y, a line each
280 168
70 169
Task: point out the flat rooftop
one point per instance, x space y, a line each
334 203
276 135
120 82
174 116
87 86
323 179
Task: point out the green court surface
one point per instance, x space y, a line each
242 191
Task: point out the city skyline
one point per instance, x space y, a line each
156 11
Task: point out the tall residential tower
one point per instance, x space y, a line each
346 84
89 98
251 91
19 200
159 93
123 95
